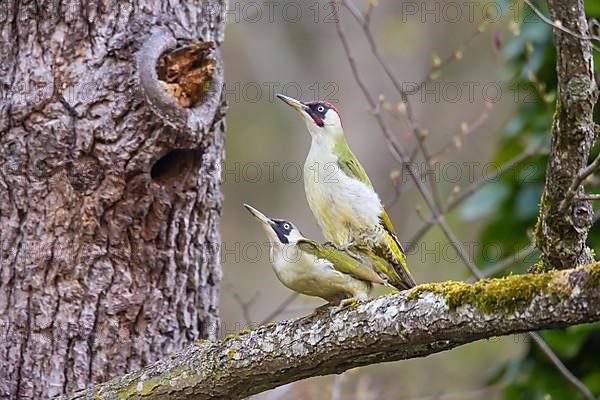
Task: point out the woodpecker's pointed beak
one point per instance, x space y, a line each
296 104
267 224
262 218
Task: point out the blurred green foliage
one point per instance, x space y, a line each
512 200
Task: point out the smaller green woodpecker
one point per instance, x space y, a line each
315 269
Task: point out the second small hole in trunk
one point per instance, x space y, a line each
176 166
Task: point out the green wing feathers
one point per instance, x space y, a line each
349 164
355 265
361 263
388 257
393 244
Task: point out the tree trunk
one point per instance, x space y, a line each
564 221
109 207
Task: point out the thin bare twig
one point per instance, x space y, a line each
561 367
278 393
457 54
590 196
574 188
510 260
279 309
558 25
510 164
456 200
539 87
465 130
245 305
336 390
473 394
462 252
367 391
520 255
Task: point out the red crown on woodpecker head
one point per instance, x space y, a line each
317 115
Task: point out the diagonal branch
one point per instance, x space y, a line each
590 197
561 366
578 181
279 309
428 319
557 24
464 194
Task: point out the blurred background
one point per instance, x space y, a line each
488 97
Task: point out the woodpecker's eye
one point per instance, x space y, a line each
320 109
286 226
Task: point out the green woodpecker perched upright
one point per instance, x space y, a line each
313 269
341 195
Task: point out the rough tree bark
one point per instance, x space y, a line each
564 221
109 242
429 319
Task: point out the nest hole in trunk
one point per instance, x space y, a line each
176 166
186 72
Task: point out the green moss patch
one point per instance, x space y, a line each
231 354
488 295
508 293
593 280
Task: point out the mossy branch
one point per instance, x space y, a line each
425 320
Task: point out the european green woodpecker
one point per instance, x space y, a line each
341 196
313 269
